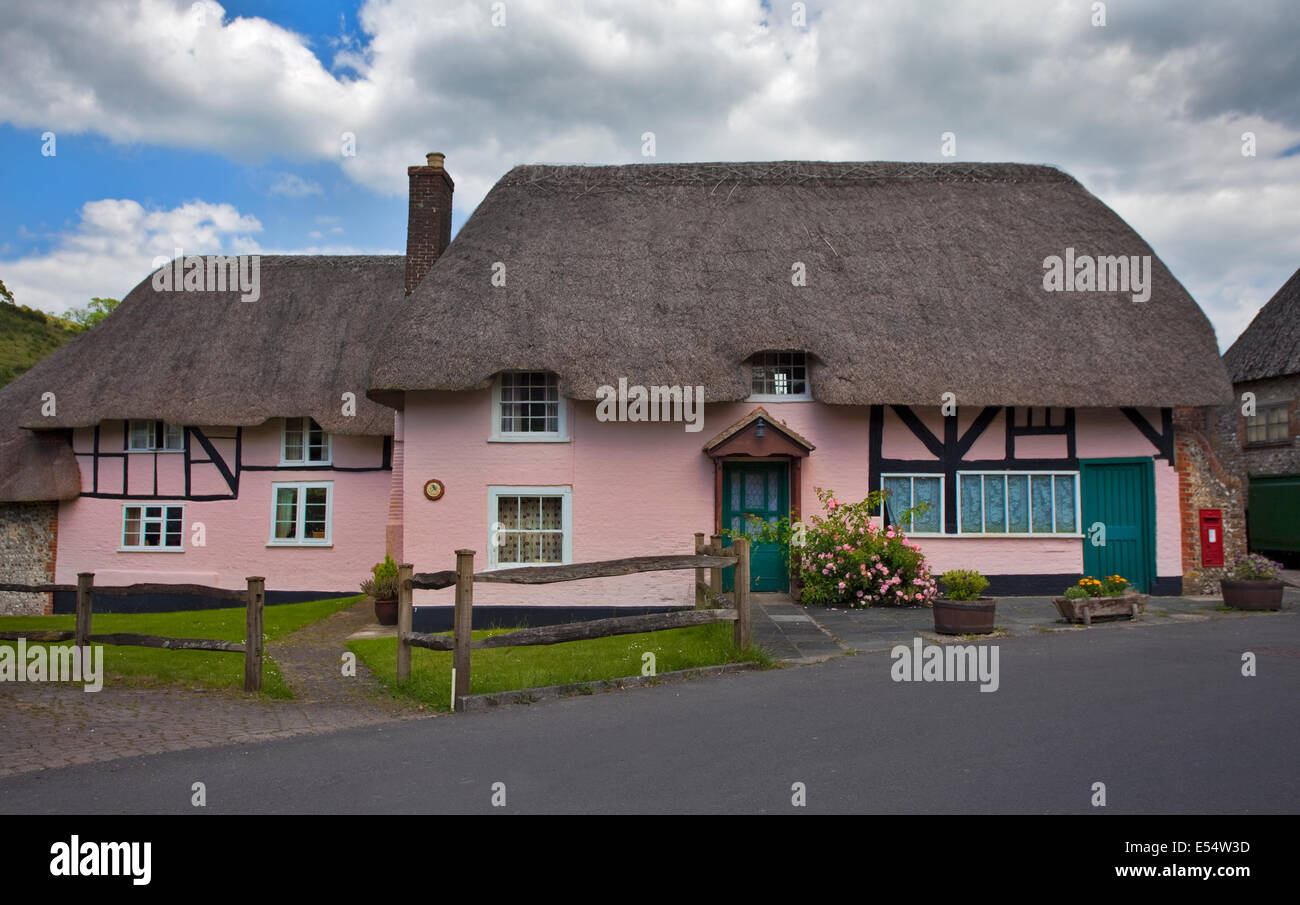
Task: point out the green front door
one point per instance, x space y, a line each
1117 497
760 489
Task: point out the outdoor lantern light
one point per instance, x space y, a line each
759 433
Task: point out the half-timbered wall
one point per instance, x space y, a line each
644 487
223 478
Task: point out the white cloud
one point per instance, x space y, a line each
291 186
113 245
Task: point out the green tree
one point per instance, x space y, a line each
5 294
92 314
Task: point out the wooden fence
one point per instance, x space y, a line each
708 557
254 598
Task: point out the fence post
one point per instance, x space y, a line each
403 621
741 627
85 592
253 634
715 575
463 620
699 573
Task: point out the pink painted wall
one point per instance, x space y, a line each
236 530
643 488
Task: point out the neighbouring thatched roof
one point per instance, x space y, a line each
921 279
209 358
1270 346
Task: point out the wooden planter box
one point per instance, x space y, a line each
1259 594
1085 609
964 617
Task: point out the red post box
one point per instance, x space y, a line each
1211 537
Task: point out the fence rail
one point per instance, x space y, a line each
707 556
254 598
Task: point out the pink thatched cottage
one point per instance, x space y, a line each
608 359
194 438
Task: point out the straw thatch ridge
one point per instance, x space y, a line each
1270 346
207 358
921 279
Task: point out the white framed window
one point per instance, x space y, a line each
301 514
154 436
526 407
779 376
1018 502
903 491
304 442
153 527
530 526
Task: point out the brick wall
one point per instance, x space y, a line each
1206 480
29 540
1229 430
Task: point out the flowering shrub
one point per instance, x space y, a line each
1255 568
845 560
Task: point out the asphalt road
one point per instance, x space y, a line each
1161 714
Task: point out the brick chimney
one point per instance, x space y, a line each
428 226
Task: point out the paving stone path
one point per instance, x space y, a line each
49 725
800 634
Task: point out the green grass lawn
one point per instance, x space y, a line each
212 669
513 668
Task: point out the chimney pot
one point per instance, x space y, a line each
435 159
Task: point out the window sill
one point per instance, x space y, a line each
150 549
524 565
1271 444
526 438
301 544
1019 535
161 452
302 464
777 397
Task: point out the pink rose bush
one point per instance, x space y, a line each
847 561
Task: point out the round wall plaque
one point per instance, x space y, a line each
434 489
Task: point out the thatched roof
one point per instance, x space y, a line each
35 465
921 279
209 358
1270 346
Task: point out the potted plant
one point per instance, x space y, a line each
961 610
382 588
1254 584
1091 598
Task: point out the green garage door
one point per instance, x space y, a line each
1120 495
1273 515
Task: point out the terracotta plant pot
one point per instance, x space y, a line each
1252 594
964 617
386 612
1085 609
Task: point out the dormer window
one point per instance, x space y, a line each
154 436
304 443
779 376
526 406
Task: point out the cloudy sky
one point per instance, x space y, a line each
218 128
